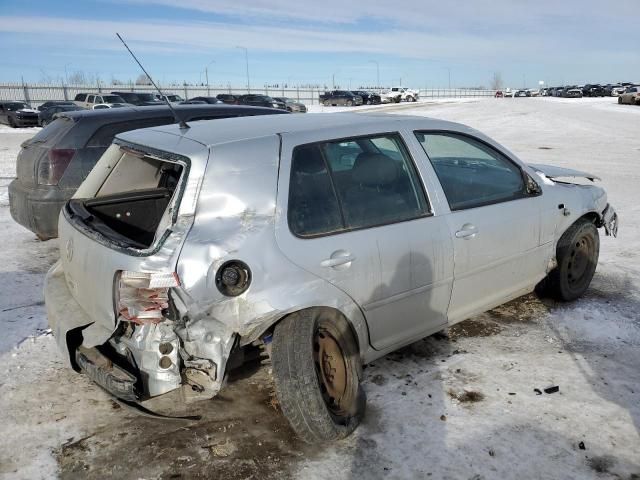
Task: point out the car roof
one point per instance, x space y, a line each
243 128
135 112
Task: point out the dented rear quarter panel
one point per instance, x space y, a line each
235 220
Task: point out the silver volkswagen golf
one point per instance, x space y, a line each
328 240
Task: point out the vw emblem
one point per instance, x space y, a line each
69 249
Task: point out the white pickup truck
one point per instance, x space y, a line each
398 94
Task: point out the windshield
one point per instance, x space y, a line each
12 107
112 99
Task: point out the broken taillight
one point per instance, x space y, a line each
52 167
143 296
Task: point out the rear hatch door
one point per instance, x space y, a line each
92 261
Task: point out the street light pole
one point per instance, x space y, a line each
246 58
66 75
206 75
377 72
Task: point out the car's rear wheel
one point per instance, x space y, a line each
620 100
577 255
316 369
44 123
326 103
349 103
12 124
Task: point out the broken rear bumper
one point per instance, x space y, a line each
66 316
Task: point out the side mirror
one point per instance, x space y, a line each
533 188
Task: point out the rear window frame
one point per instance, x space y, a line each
144 151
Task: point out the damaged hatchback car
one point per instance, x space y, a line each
328 240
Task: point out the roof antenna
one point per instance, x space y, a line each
182 123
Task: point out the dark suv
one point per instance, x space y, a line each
261 101
52 164
139 99
18 114
340 97
227 98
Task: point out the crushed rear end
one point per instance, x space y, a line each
109 297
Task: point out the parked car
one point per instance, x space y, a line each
261 101
630 96
572 92
368 98
544 92
499 94
340 97
53 103
522 93
227 98
18 114
89 100
399 94
593 90
292 105
209 100
559 91
193 102
617 90
171 98
139 99
45 117
329 240
52 164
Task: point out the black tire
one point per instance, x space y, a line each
577 255
12 124
326 103
349 103
44 123
300 360
620 100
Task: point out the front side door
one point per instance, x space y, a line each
494 221
358 217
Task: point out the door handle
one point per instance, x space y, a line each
339 258
467 231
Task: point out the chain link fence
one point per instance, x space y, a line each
36 94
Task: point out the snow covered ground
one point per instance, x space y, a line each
455 406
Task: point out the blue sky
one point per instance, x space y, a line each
302 42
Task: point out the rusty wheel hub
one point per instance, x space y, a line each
331 369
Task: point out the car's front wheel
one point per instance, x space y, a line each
577 256
12 123
620 100
316 369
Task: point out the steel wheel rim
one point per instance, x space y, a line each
332 372
580 260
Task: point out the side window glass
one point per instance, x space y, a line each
90 99
471 173
313 207
375 180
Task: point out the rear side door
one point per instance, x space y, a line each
357 216
494 219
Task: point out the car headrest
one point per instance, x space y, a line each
309 160
374 169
